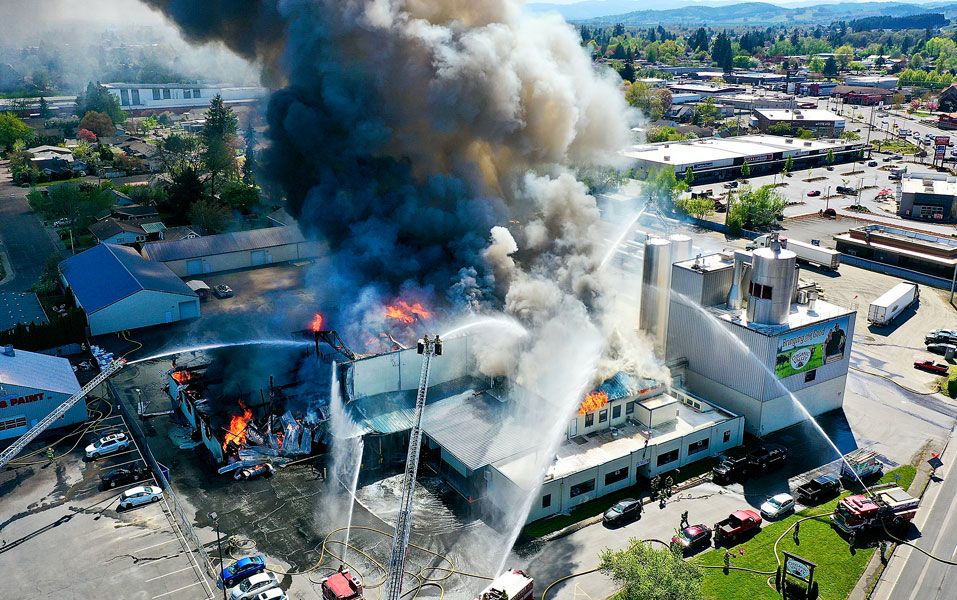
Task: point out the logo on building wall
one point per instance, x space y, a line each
11 401
811 347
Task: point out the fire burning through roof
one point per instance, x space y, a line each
238 427
407 313
593 402
316 324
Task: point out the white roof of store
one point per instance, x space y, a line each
799 316
800 114
38 371
940 187
714 150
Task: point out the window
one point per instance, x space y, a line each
726 437
699 446
810 376
124 97
629 408
582 488
760 291
616 411
616 476
187 94
589 419
603 415
136 97
546 500
156 94
167 95
196 93
13 423
668 457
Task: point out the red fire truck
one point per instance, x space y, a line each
892 508
510 585
341 585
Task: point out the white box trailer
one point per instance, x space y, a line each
810 253
892 303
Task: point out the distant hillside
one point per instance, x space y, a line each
762 13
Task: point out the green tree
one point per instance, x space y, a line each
696 207
239 196
249 159
660 189
80 204
757 210
12 128
651 101
208 216
805 134
830 67
789 164
851 136
745 170
706 113
816 65
49 282
219 132
184 189
45 112
721 52
98 99
844 55
829 157
780 129
689 177
99 123
646 572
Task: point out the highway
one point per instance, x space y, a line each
911 575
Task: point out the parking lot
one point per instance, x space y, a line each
63 537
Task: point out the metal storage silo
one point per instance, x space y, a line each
680 247
655 282
772 285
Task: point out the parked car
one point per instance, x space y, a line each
941 336
941 348
252 586
733 467
241 569
777 506
693 538
143 494
931 367
260 470
846 189
897 157
123 476
108 444
61 222
623 512
817 490
273 594
887 159
765 458
873 163
739 524
814 193
223 291
731 185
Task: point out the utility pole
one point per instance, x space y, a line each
428 348
215 519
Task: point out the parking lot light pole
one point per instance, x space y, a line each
215 519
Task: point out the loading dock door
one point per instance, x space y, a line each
194 267
260 257
189 309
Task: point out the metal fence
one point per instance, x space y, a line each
181 520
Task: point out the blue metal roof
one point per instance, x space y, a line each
107 273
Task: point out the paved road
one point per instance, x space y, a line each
22 235
913 576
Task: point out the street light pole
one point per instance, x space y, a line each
219 544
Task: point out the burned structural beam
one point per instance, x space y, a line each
331 338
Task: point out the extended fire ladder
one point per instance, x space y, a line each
10 452
403 522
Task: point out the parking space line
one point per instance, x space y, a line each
169 541
177 590
186 568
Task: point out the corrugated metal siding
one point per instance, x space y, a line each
208 245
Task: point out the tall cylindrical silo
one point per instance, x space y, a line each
772 285
655 281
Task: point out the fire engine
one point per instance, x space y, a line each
341 585
510 585
891 508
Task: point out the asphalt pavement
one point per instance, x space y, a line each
22 236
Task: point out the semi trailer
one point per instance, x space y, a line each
809 253
892 303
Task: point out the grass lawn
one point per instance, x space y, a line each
897 146
838 568
58 182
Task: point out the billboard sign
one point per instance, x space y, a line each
811 347
941 140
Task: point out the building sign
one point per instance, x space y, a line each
11 401
798 567
811 347
941 140
758 158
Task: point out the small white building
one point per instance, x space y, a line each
163 96
32 385
118 290
232 251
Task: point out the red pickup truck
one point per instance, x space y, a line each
738 525
931 367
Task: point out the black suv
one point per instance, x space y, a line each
623 512
733 467
123 476
765 458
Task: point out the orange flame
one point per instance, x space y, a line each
317 322
238 424
181 377
406 313
593 402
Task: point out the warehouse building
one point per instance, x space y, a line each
475 431
822 123
31 386
232 251
118 290
156 97
928 197
790 345
722 159
922 252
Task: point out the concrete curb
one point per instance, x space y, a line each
645 500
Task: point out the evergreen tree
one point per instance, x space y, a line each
98 99
830 66
218 134
249 163
45 112
721 52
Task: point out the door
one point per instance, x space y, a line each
573 428
194 267
168 317
188 309
259 257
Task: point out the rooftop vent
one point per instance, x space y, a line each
8 350
788 140
808 144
